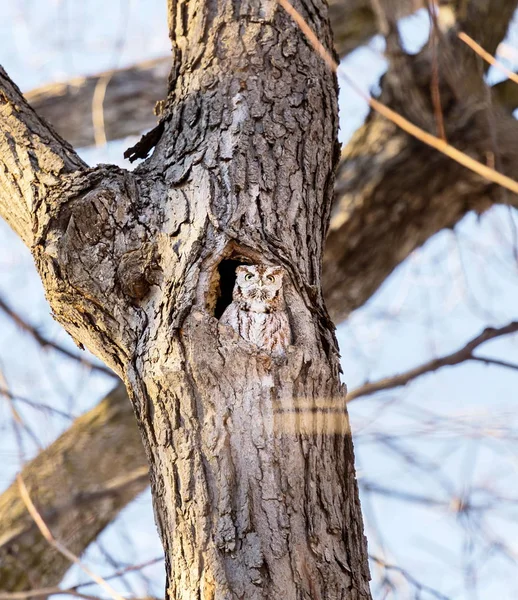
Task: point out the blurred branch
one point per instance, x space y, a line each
506 94
412 580
369 486
129 97
58 545
392 193
18 422
354 22
457 505
73 590
486 22
489 58
82 464
460 356
44 593
46 343
125 570
111 489
41 406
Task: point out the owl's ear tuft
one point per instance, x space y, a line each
243 269
278 271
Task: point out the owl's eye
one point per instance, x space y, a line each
249 276
270 278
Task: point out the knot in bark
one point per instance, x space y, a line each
138 270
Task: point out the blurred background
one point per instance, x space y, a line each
436 459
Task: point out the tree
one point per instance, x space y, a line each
359 258
136 266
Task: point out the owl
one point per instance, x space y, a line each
258 312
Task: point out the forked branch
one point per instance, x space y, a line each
455 358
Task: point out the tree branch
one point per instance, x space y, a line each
354 22
460 356
506 94
129 101
57 544
79 464
94 261
420 587
393 193
32 159
50 591
486 22
46 343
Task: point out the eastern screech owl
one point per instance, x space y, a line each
258 312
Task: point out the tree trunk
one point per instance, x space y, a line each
251 459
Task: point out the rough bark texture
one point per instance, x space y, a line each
77 491
251 459
33 158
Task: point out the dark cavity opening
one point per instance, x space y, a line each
227 280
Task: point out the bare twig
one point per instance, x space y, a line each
462 355
124 571
98 109
44 593
73 590
37 405
111 489
369 486
489 58
46 343
418 585
18 422
413 130
456 504
46 533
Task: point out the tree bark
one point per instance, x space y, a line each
251 459
77 490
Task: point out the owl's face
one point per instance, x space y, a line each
259 286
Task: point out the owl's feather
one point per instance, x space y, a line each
258 311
